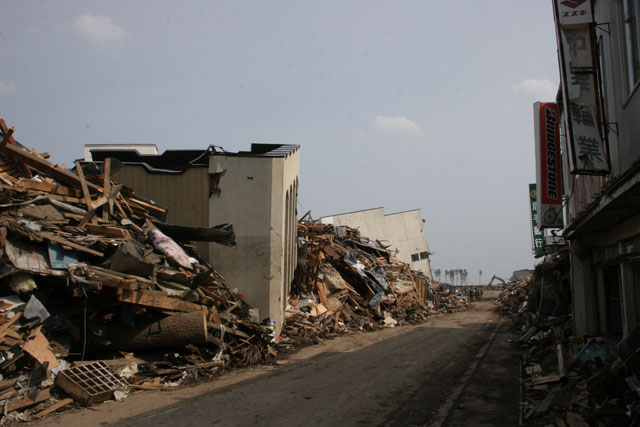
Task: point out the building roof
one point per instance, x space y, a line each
177 161
266 150
169 161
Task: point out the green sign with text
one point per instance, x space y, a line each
537 238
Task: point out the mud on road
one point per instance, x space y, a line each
453 370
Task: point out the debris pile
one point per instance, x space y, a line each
569 380
346 283
88 270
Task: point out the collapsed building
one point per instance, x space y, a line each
402 232
256 190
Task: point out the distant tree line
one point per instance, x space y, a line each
456 276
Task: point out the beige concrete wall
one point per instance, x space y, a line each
244 200
369 222
258 195
283 232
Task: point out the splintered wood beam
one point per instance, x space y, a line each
9 140
83 185
106 187
45 166
64 242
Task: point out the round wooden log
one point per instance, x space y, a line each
176 330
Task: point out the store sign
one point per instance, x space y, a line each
572 12
580 91
537 236
548 165
587 144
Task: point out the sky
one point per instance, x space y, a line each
405 104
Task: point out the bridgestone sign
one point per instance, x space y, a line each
548 165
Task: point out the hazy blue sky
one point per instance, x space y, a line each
402 104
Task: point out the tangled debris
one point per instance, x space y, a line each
347 283
86 271
569 380
90 273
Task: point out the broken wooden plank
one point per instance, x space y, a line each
44 166
5 326
38 347
110 231
84 186
29 401
8 139
53 408
146 386
106 187
61 240
46 187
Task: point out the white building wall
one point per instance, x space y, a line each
369 222
402 231
406 232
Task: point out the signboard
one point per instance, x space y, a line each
580 91
537 237
575 12
546 120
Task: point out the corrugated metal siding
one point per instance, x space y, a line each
622 109
186 194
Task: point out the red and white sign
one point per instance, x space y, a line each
546 119
574 12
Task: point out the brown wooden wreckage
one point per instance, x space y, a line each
99 297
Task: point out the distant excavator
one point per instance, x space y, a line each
498 278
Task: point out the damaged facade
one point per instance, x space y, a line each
254 190
599 106
402 232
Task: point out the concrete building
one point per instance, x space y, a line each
402 231
602 213
254 190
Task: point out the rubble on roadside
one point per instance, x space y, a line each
568 380
100 298
87 273
347 283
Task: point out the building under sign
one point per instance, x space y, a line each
599 49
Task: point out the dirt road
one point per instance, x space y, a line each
454 370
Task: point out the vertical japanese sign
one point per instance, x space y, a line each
548 164
580 91
537 237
